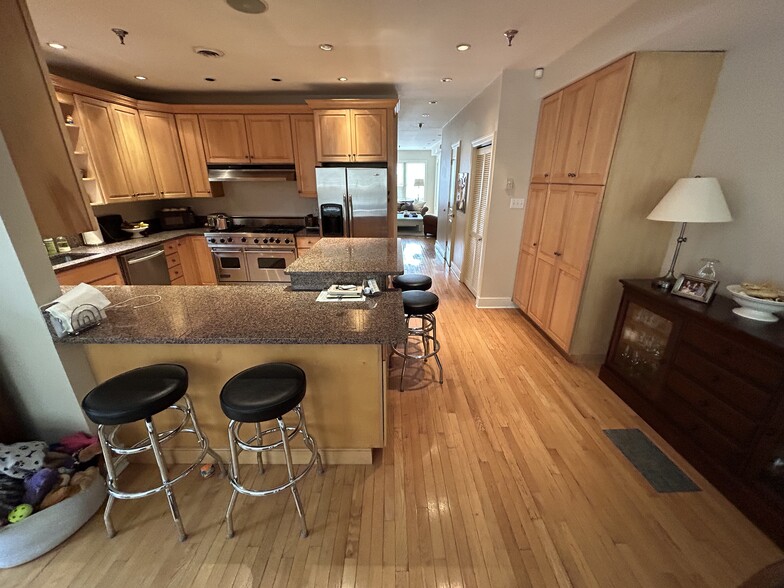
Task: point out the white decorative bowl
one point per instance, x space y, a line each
136 233
755 308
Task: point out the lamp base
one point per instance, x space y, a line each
664 283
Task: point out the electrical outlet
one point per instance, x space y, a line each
517 203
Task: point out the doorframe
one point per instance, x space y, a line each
484 141
453 171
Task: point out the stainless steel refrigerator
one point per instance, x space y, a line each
352 201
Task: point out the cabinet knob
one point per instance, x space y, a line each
547 175
572 175
557 254
534 244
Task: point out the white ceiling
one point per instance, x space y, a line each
382 46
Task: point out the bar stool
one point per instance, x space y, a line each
264 393
137 395
408 282
421 305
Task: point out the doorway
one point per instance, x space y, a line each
454 164
477 215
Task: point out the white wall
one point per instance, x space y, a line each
46 382
241 199
425 156
479 118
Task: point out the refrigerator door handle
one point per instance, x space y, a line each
348 220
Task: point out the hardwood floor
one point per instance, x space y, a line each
499 477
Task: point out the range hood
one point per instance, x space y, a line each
283 172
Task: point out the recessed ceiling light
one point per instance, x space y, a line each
276 79
433 102
463 47
56 45
140 77
326 47
209 79
248 6
342 79
446 79
425 115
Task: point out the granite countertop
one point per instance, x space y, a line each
112 249
250 314
357 255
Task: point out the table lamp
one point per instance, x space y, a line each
690 200
420 183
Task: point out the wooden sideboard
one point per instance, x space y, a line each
712 384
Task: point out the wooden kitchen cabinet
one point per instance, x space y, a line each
203 258
189 134
96 118
225 138
623 133
532 226
269 138
304 136
105 272
711 385
133 146
163 143
546 135
349 135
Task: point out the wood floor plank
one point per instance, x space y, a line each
501 477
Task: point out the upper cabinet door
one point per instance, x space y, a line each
546 135
603 123
304 135
225 139
575 110
192 147
369 134
269 138
134 148
168 165
333 135
96 118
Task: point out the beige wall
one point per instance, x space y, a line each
478 119
743 146
46 382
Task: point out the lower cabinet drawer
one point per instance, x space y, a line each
178 282
172 259
307 242
302 251
175 273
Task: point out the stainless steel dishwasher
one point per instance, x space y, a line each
145 266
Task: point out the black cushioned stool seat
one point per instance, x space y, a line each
408 282
416 302
136 395
263 392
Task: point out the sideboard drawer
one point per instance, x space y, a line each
741 359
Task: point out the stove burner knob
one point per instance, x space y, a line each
265 240
277 240
223 240
286 241
243 239
229 240
212 240
255 240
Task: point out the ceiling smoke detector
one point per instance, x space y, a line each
207 52
248 6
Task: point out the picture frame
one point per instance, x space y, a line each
461 190
695 288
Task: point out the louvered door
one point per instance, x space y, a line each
480 193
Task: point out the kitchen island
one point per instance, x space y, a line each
217 331
335 260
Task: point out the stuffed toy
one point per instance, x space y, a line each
39 484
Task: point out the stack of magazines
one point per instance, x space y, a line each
344 292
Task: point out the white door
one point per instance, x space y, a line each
450 210
480 193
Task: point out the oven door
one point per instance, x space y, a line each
230 265
267 265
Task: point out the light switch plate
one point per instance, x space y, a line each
517 203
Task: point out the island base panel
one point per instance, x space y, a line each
344 404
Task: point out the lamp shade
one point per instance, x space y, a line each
419 183
693 200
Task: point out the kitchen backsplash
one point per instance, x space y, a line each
269 199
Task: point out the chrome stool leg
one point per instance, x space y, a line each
203 441
111 482
405 353
260 443
435 343
234 475
292 477
156 451
309 441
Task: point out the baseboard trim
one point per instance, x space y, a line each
588 359
497 302
185 456
455 271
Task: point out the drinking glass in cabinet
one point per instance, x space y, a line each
642 343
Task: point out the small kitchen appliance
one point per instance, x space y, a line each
220 221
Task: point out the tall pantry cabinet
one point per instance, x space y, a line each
608 147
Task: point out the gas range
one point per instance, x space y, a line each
264 237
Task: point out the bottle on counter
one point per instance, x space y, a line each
51 248
62 244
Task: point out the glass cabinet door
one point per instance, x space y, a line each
641 345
